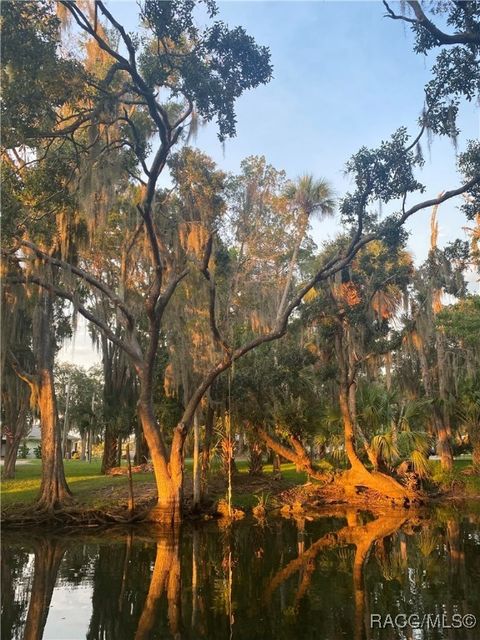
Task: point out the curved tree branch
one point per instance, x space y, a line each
421 20
330 268
98 284
133 352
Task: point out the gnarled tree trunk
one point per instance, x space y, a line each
168 467
207 445
358 475
54 491
297 454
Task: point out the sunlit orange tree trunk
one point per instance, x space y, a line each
54 491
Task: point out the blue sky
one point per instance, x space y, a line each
344 77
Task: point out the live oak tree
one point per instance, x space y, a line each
137 105
455 74
203 76
280 400
349 331
38 207
48 328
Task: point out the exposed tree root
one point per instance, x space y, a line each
345 490
354 480
69 517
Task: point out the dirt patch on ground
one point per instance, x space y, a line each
242 484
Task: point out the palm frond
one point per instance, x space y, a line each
420 463
384 447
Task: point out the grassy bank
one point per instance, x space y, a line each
84 479
457 480
93 490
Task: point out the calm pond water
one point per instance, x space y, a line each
288 579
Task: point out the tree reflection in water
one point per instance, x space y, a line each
282 580
165 579
362 537
48 556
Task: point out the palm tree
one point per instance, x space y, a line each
307 197
310 196
396 428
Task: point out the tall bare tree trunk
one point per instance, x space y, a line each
358 475
109 457
207 445
196 463
83 452
442 414
54 491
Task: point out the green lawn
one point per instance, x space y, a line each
83 478
95 490
469 484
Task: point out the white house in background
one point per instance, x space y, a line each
34 440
